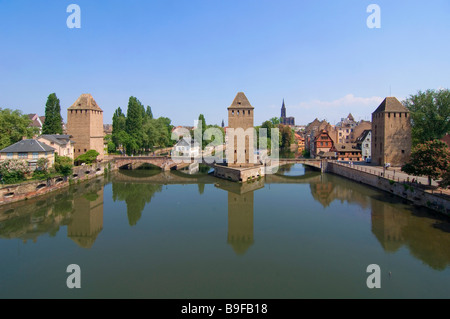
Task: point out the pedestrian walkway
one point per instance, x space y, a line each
395 174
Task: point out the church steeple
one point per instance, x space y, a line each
283 110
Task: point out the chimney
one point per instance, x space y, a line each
24 138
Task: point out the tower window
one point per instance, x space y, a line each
394 114
389 115
248 112
232 112
403 151
238 111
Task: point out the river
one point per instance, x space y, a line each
149 234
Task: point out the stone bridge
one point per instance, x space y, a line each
175 177
317 163
164 162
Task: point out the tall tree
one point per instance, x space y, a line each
286 136
429 159
198 133
133 125
430 115
53 120
149 113
13 126
118 124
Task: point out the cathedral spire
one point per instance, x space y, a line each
283 110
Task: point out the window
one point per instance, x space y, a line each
394 114
238 112
248 112
85 150
35 155
23 155
9 155
232 112
389 114
403 151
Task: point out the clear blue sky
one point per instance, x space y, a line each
188 57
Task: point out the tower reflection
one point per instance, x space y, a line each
240 213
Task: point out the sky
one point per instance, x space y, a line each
191 57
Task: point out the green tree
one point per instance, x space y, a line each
198 133
429 159
148 112
286 136
133 125
88 158
53 119
430 115
275 121
269 126
13 126
63 165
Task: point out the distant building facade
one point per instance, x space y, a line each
286 120
85 124
322 143
364 142
37 121
391 133
30 151
61 143
186 148
347 152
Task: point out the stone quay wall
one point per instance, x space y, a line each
404 190
15 192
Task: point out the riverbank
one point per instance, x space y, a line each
400 187
29 189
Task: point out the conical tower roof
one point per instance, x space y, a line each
391 104
85 102
240 102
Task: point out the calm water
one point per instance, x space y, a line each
298 234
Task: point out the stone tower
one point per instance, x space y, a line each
85 124
391 133
240 138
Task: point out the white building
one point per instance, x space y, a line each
364 142
186 148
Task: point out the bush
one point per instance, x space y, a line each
88 158
63 165
13 171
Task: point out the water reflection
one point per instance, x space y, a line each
240 213
136 196
80 208
87 218
427 239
